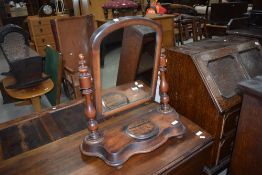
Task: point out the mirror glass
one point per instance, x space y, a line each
127 62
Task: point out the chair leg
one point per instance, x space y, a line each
68 89
194 30
77 92
180 28
36 103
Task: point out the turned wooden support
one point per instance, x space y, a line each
86 88
163 88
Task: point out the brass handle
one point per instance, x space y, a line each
43 40
39 22
41 30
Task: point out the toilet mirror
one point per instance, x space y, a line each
124 65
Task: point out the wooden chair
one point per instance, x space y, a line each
186 23
32 93
72 38
53 68
191 27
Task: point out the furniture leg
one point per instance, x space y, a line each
77 92
36 103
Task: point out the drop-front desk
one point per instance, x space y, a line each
48 143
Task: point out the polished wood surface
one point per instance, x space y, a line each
142 133
27 93
195 91
96 41
35 130
32 93
184 156
247 154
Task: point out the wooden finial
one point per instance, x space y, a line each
164 98
82 61
90 111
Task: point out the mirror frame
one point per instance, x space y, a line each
96 40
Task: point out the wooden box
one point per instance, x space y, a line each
203 77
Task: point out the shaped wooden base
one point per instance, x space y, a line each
141 133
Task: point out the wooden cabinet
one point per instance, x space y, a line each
247 154
203 77
41 32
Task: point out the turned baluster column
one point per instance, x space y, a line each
163 87
90 111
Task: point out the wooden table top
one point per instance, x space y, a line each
30 92
63 156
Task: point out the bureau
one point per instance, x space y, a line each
203 77
247 154
41 32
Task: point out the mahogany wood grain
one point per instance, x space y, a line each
39 129
96 40
35 115
178 156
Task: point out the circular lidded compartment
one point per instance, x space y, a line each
142 129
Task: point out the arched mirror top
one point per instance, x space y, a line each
133 79
119 23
